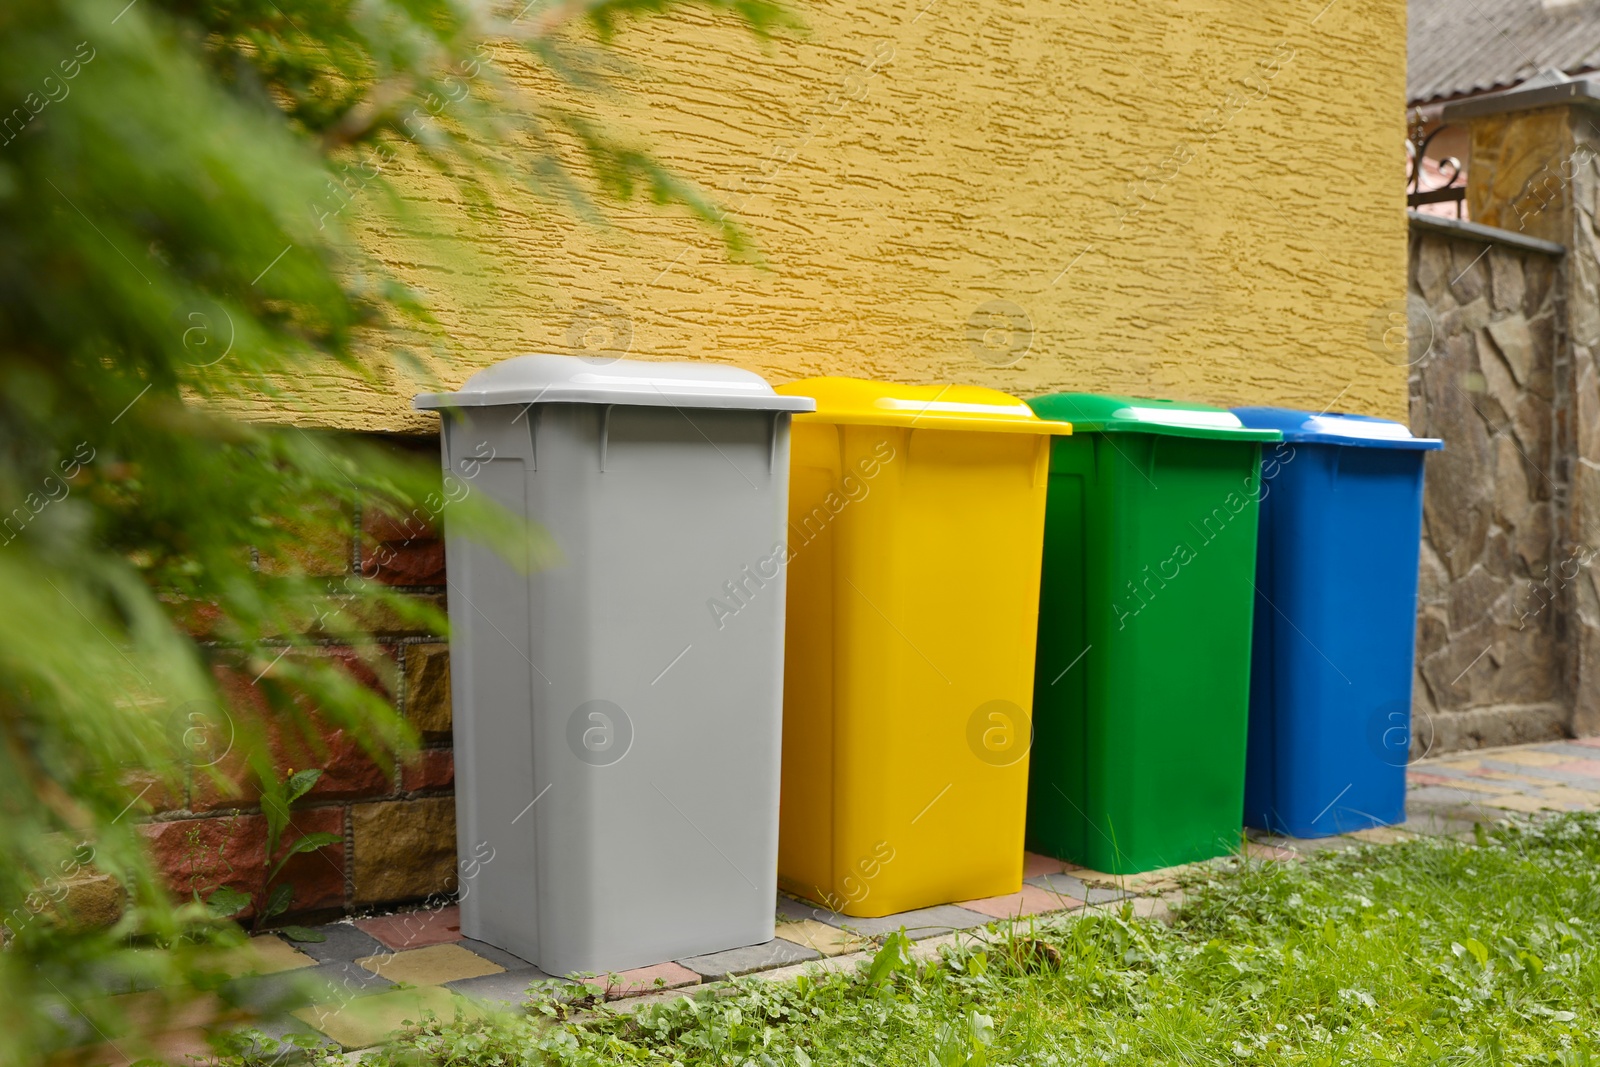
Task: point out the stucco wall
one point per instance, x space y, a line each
1196 200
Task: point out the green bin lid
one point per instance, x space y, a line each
1098 413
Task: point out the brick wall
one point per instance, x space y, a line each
397 825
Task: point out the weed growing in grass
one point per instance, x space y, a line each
1429 952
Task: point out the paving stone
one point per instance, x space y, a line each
495 955
433 965
1461 781
1030 901
1270 853
1034 864
1578 798
1381 835
818 936
415 929
1588 768
1546 775
508 987
792 910
639 980
366 1021
1430 795
1074 888
1520 802
1527 757
779 952
262 954
922 922
292 1036
345 941
1161 878
326 983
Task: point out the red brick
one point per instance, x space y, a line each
149 793
414 929
418 562
434 768
348 773
380 525
204 854
201 855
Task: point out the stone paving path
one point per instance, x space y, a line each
373 975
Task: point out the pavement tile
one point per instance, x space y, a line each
1477 785
1034 864
415 929
262 954
1520 802
272 994
1527 757
922 922
779 952
366 1021
1587 742
508 987
345 941
818 936
1381 835
639 980
433 965
792 910
1262 850
1451 796
1161 878
1074 888
289 1033
1542 776
1415 778
1587 768
495 955
1030 901
1581 798
1529 779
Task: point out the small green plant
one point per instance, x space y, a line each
277 796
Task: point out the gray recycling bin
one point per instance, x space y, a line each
618 712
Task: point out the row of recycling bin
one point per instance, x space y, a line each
865 642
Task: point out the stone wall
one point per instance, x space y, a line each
397 827
1487 335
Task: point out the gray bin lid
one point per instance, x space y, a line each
552 379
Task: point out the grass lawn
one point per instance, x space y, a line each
1429 952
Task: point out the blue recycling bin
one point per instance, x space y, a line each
1335 622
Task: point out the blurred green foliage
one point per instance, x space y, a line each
174 176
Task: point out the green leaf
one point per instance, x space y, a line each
300 783
893 957
227 902
308 843
278 900
302 933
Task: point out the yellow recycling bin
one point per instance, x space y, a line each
916 520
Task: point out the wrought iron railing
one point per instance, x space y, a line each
1454 189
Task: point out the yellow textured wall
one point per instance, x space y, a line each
1201 200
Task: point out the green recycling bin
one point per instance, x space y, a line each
1142 686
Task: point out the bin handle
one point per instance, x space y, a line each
533 436
605 434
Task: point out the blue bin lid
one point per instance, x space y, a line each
1333 428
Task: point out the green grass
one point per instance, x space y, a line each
1429 952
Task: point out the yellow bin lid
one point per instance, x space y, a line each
859 401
